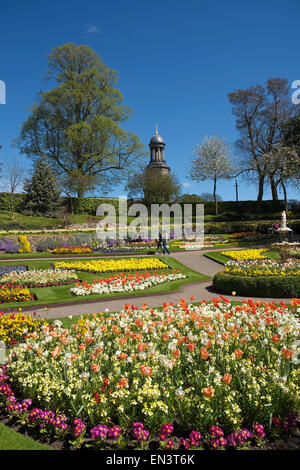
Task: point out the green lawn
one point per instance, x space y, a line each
11 440
59 294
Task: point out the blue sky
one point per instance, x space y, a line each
177 61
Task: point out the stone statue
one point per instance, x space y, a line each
283 219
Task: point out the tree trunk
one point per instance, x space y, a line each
215 195
80 192
260 191
274 189
285 195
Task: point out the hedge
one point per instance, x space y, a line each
261 286
230 211
5 202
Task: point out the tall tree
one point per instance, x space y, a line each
153 186
214 161
42 195
76 125
260 113
14 175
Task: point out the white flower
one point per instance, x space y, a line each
180 392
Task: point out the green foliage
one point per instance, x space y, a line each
76 125
42 196
5 201
154 186
261 286
88 205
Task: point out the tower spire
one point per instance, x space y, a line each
156 129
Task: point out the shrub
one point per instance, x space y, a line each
261 286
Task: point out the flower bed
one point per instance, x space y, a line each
125 283
103 436
201 367
265 267
12 293
15 326
122 264
71 250
245 254
40 278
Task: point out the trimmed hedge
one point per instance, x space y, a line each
88 205
261 286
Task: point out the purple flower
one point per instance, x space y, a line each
166 430
244 436
114 432
169 444
99 431
186 443
216 431
139 432
276 422
259 430
222 442
78 427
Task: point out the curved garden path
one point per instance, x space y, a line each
199 290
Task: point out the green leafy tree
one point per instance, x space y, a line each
76 125
42 195
154 187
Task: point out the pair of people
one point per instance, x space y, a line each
162 243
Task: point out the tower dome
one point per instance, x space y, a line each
157 153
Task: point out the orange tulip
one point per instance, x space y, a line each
176 353
190 347
275 338
238 353
286 353
227 378
123 356
208 392
56 352
204 354
95 367
122 383
145 370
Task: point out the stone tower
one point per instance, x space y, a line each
157 154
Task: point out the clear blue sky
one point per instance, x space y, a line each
177 61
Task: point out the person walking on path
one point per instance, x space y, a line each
159 243
164 246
